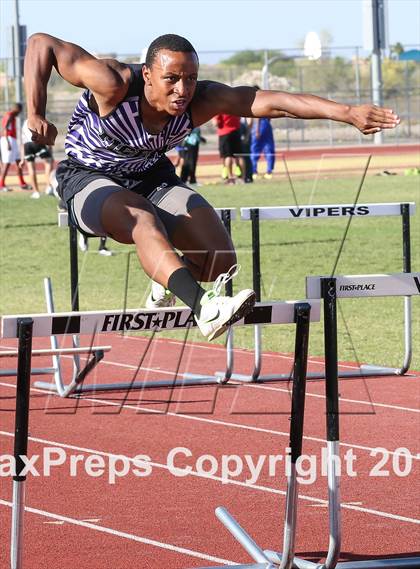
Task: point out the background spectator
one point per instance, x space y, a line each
191 146
230 146
9 147
262 140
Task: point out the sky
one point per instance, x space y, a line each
128 26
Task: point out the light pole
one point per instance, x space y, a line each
376 40
17 54
264 71
18 67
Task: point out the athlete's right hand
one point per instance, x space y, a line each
43 132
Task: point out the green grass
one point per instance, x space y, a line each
32 246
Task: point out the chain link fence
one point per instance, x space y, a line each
342 74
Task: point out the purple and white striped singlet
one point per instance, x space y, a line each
118 143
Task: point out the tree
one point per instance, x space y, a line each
396 50
251 58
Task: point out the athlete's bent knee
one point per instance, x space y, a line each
218 262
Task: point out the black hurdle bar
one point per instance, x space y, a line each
25 326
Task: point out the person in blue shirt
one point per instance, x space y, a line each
262 141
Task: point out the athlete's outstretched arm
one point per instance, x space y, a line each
105 78
216 98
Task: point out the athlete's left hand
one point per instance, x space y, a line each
370 118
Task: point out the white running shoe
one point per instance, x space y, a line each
49 191
106 252
220 312
83 242
160 297
35 195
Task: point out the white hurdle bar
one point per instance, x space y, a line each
140 320
63 216
314 212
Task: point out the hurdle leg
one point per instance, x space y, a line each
74 287
406 240
328 290
58 378
21 440
270 559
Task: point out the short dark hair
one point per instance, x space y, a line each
172 42
18 106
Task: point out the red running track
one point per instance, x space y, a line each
165 520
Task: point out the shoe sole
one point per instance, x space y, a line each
242 311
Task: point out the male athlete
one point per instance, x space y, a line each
117 180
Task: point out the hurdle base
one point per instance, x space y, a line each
138 385
365 370
251 566
397 563
34 371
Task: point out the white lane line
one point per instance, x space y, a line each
342 399
266 387
125 535
216 422
269 489
245 351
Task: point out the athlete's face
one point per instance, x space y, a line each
171 80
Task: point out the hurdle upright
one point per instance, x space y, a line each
323 212
287 558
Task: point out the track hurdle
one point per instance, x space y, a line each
316 212
141 320
57 324
329 289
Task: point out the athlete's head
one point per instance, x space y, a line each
170 73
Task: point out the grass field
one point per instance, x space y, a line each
32 246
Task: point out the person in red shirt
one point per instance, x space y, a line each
230 145
9 147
